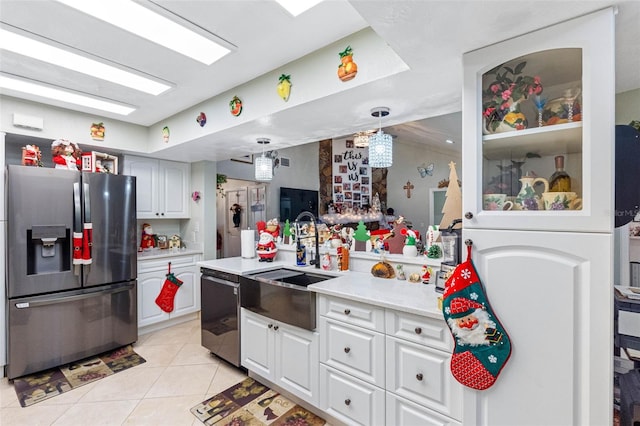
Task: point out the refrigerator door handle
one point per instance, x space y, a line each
64 299
77 208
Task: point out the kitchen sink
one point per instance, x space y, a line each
282 295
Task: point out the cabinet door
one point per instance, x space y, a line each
552 293
187 298
146 172
574 62
149 286
173 192
401 412
296 355
256 344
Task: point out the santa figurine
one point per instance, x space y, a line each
148 240
65 154
266 247
426 274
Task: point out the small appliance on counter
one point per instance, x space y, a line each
451 253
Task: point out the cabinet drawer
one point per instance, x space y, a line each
423 330
401 412
350 400
422 375
355 350
355 313
161 264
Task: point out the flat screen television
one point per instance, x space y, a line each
294 201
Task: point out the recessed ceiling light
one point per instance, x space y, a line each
43 52
296 7
145 23
24 86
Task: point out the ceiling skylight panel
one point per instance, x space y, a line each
40 90
145 23
43 52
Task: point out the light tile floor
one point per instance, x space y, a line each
179 373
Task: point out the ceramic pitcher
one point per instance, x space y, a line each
528 198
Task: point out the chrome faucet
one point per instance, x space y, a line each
316 258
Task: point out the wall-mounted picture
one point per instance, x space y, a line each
346 186
337 188
244 159
356 186
365 180
337 158
347 196
363 171
337 179
343 168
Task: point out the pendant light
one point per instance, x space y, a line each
361 139
380 143
263 165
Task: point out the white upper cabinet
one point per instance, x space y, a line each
530 104
162 187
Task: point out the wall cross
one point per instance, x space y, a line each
408 187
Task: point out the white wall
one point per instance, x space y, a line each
628 106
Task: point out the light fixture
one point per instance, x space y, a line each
26 46
139 20
380 143
263 164
24 86
361 139
296 7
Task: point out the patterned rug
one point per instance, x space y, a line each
49 383
250 403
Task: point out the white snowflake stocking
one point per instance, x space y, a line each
482 346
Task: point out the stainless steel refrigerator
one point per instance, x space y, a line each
71 266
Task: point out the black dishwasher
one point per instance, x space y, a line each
220 314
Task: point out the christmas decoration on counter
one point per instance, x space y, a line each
400 274
235 106
237 214
434 252
452 208
433 233
426 274
425 170
284 87
326 263
266 247
396 240
408 187
414 278
502 96
383 269
482 346
409 249
31 156
301 254
148 239
97 131
165 299
201 119
66 154
286 233
165 134
175 242
343 258
347 69
361 236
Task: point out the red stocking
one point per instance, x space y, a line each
168 293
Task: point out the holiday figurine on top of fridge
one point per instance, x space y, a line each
65 154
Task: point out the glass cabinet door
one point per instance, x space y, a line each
538 130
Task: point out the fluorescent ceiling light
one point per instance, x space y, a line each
296 7
43 52
145 23
24 86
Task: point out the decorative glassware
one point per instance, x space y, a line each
570 96
540 102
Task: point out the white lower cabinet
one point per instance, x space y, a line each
286 355
403 412
350 400
381 366
151 277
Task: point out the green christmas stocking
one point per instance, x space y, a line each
482 346
168 293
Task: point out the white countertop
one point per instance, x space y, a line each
161 253
419 299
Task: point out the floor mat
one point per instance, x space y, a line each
252 403
49 383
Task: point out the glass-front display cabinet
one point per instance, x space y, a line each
538 133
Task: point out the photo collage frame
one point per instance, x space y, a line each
351 175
